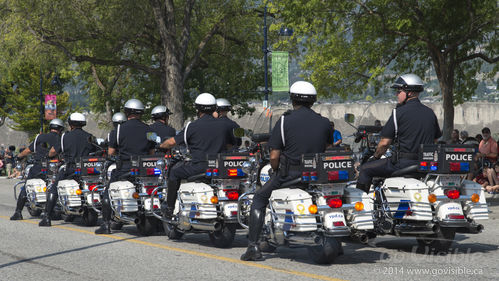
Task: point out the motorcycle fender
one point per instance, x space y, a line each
147 203
228 208
331 218
447 208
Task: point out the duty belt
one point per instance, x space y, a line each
410 156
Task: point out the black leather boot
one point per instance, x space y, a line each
21 201
49 207
171 198
253 252
364 187
105 227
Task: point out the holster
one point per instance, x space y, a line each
283 166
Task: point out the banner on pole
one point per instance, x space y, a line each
280 77
50 107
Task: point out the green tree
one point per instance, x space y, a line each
351 44
155 45
21 89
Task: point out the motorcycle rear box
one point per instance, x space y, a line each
121 196
35 189
67 193
290 204
196 199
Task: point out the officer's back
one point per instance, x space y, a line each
305 132
77 142
132 139
42 144
417 124
206 135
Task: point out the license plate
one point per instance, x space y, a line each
450 180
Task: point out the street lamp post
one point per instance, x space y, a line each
41 101
265 63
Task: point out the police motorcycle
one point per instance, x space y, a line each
314 210
36 189
206 202
457 204
431 201
130 195
76 198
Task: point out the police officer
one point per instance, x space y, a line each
206 135
412 123
131 140
160 114
73 145
223 108
40 147
118 118
297 132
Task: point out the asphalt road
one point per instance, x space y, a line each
69 251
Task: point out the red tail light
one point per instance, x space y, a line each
338 223
150 189
455 217
92 186
452 193
334 202
231 194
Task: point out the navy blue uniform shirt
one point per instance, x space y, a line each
206 135
417 124
305 131
163 130
42 144
131 139
75 144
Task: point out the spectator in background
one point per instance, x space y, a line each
479 138
454 138
482 179
336 135
487 149
493 179
466 139
10 160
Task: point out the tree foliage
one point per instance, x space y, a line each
161 51
354 44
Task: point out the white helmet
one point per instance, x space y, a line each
77 119
119 118
303 91
160 112
223 105
134 106
408 82
56 124
206 102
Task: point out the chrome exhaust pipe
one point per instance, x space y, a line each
137 221
479 228
360 237
215 226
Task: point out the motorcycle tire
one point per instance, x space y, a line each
327 252
439 242
172 232
266 247
89 217
146 226
67 218
34 212
224 237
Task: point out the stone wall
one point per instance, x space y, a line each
469 116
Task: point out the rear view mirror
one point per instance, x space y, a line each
349 118
239 132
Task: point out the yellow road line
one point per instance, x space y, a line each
195 253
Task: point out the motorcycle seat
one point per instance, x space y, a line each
291 182
197 177
408 172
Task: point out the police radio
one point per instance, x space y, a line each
328 167
446 158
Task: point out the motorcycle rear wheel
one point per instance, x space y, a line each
224 237
146 226
90 217
439 242
34 212
325 253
